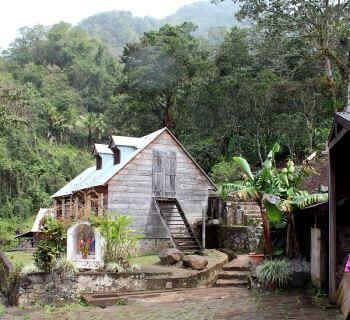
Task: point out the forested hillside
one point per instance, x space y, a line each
61 90
117 28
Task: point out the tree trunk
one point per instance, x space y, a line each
167 119
348 96
266 229
89 138
292 245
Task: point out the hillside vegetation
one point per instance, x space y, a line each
61 90
117 28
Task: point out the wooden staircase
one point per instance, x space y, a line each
178 228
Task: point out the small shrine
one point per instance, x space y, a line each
84 246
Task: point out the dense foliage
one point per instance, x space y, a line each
53 244
117 28
277 192
61 90
120 239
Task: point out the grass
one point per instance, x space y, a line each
145 260
20 257
2 309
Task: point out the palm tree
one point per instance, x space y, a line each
94 124
276 191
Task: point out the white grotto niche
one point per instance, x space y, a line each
82 234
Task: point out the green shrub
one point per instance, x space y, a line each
29 268
225 171
65 267
53 245
276 272
120 239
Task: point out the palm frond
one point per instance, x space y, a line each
244 165
304 199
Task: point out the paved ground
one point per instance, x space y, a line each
201 304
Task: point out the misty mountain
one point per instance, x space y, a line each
116 28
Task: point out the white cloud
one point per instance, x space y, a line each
15 14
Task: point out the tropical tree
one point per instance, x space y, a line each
277 193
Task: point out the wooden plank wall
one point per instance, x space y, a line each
130 190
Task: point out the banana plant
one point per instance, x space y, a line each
275 190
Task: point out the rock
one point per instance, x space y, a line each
230 253
195 262
170 256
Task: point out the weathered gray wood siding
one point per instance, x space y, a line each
130 190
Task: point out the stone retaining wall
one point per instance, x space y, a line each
239 238
48 288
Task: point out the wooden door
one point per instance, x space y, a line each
164 173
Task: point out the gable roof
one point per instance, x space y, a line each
101 148
36 225
91 177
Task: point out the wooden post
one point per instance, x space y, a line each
63 206
100 204
332 227
203 228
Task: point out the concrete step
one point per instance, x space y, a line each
243 275
241 263
251 208
253 215
231 283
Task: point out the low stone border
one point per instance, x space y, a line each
45 287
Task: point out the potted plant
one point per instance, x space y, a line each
274 273
256 258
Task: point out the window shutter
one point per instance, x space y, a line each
170 174
159 160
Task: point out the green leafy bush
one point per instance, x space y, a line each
53 245
64 267
276 272
226 171
120 239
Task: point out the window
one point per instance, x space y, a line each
116 153
98 162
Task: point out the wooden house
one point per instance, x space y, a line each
339 202
30 239
153 179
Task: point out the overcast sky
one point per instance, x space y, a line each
15 14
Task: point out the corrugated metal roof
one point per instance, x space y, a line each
102 148
126 141
92 178
345 115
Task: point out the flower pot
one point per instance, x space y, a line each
84 255
271 286
256 258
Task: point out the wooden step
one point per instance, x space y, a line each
231 283
175 222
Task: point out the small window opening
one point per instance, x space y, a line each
98 162
116 153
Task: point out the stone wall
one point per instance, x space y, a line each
239 238
242 213
150 246
49 288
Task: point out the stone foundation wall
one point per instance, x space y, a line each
239 238
242 213
49 288
150 246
